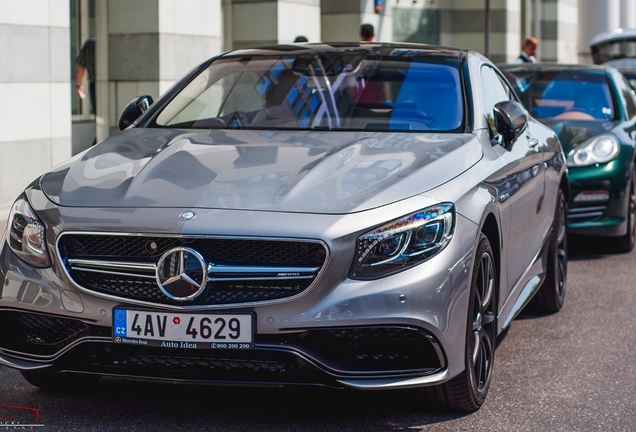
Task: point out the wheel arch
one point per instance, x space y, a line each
490 228
565 186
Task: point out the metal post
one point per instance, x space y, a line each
487 30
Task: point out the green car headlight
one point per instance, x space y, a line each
26 235
600 149
403 243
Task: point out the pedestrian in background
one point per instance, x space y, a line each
529 50
85 62
367 33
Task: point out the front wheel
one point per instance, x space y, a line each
468 390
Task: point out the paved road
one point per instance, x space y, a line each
572 371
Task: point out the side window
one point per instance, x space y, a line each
495 90
631 105
626 95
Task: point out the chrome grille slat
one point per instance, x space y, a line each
114 267
82 263
111 272
240 270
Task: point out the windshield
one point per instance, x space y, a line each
322 92
564 95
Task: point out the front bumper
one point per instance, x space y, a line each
328 357
404 330
606 218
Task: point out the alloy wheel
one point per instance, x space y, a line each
483 323
562 251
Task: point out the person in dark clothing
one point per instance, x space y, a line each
85 62
530 46
300 39
367 33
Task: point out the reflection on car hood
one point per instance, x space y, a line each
573 132
317 172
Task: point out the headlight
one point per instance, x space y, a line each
403 243
26 235
600 149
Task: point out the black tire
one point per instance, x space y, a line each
626 243
51 381
551 295
468 390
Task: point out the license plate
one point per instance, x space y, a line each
183 330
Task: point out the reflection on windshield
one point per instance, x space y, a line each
564 95
322 92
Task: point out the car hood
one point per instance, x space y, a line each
573 132
299 171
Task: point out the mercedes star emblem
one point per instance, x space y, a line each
187 215
182 273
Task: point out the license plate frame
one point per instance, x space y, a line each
188 330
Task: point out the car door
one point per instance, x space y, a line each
523 191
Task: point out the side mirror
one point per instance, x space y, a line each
510 121
134 110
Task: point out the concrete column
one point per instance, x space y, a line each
35 90
463 25
595 16
341 19
628 14
267 22
149 44
559 31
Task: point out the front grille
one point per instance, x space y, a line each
221 251
124 266
258 365
373 349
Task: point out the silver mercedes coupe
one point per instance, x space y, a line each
367 216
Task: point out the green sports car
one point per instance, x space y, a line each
593 111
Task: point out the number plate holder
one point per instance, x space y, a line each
183 330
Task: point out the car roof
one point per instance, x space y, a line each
555 67
367 48
617 34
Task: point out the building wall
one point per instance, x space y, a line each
143 47
35 89
464 22
417 22
595 16
341 20
266 22
460 23
628 14
559 31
